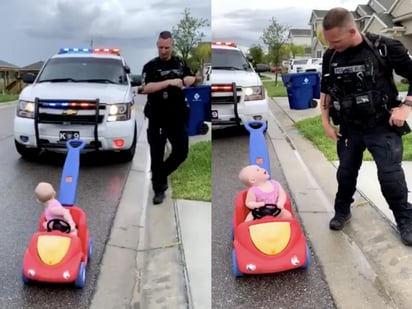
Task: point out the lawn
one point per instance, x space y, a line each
312 129
8 97
193 180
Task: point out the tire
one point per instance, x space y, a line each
313 103
235 267
128 155
81 276
308 258
26 152
89 250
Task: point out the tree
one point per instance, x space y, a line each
296 50
187 34
274 37
200 54
256 52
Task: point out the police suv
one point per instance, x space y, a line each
78 94
238 94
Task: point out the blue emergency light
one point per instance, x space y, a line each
115 51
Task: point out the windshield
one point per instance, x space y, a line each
84 69
229 59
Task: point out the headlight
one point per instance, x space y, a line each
25 109
254 93
118 112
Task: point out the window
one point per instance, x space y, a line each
83 69
231 59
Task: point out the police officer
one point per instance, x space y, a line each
163 79
358 91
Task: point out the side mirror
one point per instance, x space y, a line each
28 78
127 69
136 80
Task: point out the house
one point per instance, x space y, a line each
301 37
392 18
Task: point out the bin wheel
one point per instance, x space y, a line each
203 128
313 103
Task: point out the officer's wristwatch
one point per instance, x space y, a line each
407 103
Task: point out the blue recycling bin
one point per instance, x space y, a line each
198 99
302 89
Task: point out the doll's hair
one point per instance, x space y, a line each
243 175
44 192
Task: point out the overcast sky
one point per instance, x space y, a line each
34 30
244 21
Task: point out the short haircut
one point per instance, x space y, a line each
337 18
165 35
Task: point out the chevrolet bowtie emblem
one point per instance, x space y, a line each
69 112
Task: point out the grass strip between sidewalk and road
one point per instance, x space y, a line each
193 179
8 97
312 129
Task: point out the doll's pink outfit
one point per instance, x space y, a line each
48 213
267 197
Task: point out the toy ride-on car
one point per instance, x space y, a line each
266 245
56 256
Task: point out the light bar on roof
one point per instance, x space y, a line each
231 44
115 51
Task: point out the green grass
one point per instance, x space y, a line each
275 90
312 130
193 180
8 97
279 90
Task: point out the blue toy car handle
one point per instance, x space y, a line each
258 125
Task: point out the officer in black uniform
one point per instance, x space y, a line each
163 79
359 94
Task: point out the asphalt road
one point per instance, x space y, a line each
286 290
101 183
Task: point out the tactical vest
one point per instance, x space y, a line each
363 91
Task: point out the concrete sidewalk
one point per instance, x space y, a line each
366 265
174 257
157 256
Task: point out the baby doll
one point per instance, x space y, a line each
263 191
46 195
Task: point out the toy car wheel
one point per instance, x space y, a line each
308 258
81 276
235 267
90 249
24 278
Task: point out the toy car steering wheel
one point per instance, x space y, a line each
267 210
58 225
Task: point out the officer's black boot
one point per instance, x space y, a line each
159 192
338 221
405 230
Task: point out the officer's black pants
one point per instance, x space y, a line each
386 147
157 135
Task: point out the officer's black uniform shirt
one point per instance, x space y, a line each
151 73
397 58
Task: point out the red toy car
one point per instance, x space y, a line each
266 245
55 256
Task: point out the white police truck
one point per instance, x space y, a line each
238 94
78 94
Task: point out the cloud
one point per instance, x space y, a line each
34 30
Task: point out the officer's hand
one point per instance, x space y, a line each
399 115
177 82
331 132
189 80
